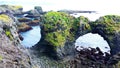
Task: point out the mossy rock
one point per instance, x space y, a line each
81 25
9 35
57 27
109 25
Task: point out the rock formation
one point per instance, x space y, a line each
56 30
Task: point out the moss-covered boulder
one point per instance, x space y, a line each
109 27
57 27
56 31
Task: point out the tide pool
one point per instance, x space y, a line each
31 37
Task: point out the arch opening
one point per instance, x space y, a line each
91 40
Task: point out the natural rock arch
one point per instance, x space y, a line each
106 26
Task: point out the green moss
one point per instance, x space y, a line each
57 26
8 33
82 25
5 18
109 23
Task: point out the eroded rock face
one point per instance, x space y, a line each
12 54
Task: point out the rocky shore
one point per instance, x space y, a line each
56 49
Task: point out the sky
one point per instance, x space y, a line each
97 5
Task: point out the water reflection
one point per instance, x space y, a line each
31 37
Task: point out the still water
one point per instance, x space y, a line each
31 37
